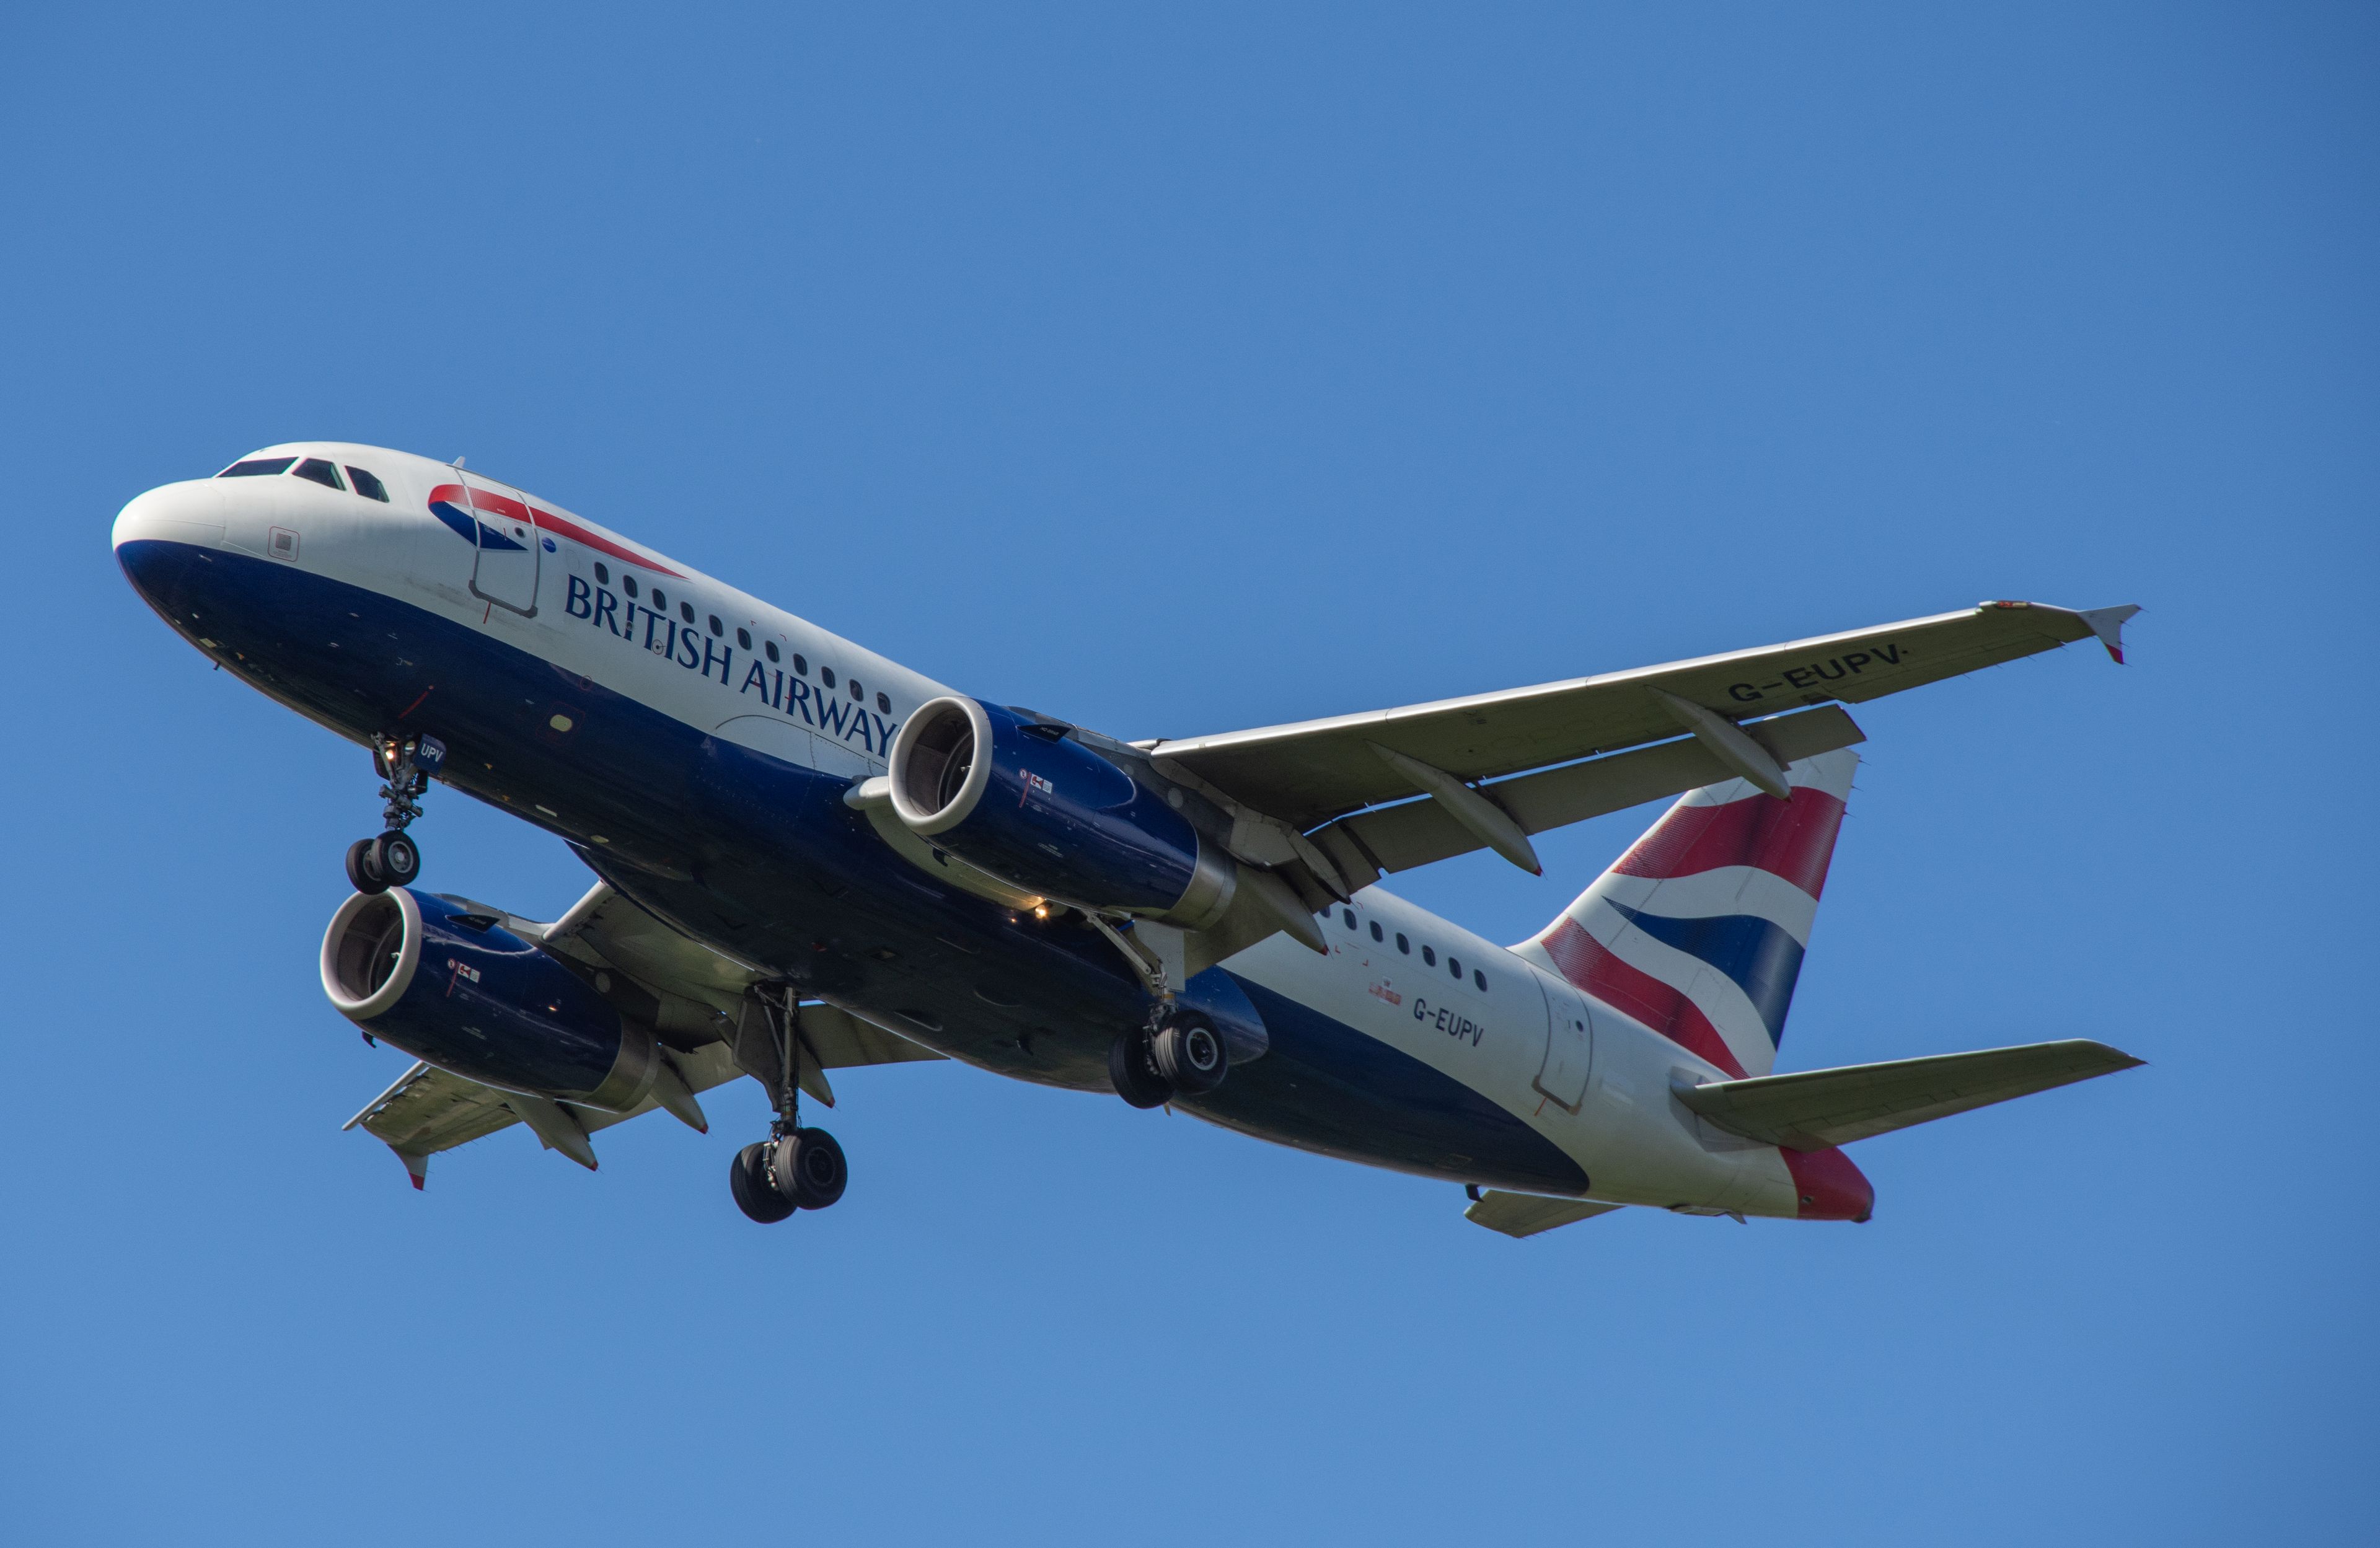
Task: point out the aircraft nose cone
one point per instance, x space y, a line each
190 512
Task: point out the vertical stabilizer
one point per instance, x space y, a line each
1698 930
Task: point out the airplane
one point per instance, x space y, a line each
810 858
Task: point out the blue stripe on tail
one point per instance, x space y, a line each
1759 956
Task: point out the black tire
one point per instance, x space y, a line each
396 858
1189 1053
810 1169
360 875
1134 1074
756 1195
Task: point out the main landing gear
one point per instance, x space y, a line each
1180 1054
793 1167
393 859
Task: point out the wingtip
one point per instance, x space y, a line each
418 1181
2108 624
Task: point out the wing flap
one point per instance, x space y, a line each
429 1109
1308 772
1419 832
1817 1108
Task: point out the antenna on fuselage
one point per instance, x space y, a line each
456 463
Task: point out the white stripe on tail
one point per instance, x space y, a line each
1698 930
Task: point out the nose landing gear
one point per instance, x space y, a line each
404 767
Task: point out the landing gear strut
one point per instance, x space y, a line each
393 859
795 1167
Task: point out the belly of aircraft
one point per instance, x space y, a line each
760 858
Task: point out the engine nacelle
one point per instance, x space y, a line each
1030 806
445 984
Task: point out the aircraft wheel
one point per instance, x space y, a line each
809 1168
756 1195
396 859
1189 1053
360 873
1133 1072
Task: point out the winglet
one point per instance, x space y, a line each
2108 624
417 1167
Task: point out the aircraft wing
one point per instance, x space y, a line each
430 1110
698 1007
1814 1109
1314 770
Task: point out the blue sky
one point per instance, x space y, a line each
1176 372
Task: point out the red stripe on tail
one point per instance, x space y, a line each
1792 838
1586 962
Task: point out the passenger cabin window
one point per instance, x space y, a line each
628 584
1403 945
257 467
1349 915
685 611
855 691
719 630
826 675
321 473
801 666
743 640
1376 930
366 484
1455 968
603 575
660 600
884 704
1429 955
772 650
1479 979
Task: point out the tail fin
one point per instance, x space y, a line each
1698 930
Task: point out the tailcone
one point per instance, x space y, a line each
1826 1186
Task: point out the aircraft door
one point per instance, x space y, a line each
1570 1047
505 571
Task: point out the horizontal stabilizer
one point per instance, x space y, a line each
1816 1108
1518 1215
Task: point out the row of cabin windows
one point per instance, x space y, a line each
658 602
323 473
370 488
1428 953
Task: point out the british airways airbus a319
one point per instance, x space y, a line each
810 857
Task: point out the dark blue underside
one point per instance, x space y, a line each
760 858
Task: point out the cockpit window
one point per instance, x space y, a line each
257 467
366 485
321 473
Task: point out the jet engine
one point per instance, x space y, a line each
451 986
1027 804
